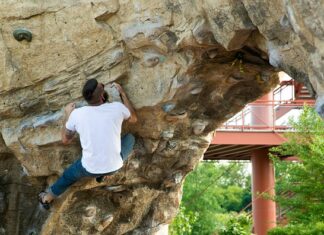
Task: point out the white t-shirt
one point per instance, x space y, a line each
99 128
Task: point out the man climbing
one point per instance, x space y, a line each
99 127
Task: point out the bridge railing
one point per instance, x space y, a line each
277 115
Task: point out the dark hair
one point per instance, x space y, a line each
88 89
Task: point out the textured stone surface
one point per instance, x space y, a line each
186 65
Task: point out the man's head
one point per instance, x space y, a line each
94 93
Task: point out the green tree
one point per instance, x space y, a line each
211 190
300 185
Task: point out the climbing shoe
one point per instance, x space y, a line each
46 205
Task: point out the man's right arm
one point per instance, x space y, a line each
127 103
66 134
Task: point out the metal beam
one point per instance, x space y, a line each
231 157
244 151
233 149
248 138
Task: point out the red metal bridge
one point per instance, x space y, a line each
249 135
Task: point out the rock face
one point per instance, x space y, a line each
187 66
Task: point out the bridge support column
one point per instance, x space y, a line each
263 180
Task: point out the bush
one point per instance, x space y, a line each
301 229
236 224
182 224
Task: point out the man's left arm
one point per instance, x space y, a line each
66 134
127 103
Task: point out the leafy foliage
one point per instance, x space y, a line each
182 224
210 193
236 224
302 229
300 185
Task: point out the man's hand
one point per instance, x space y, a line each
127 103
67 136
69 108
119 88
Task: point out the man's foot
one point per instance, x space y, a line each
45 199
